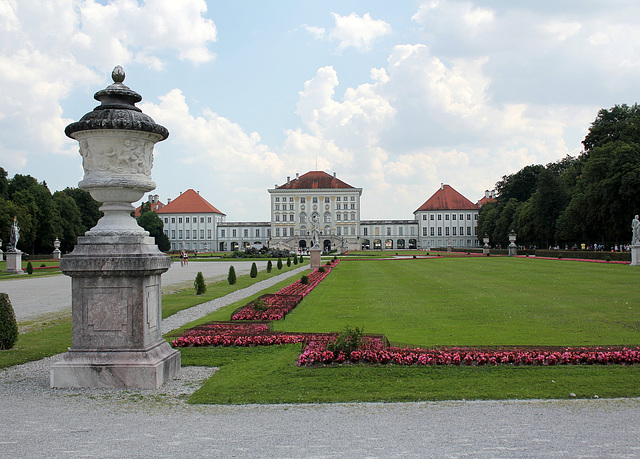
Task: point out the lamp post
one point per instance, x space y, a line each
486 247
513 248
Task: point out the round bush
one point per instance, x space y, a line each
8 323
304 279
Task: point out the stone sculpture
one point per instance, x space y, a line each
635 227
14 236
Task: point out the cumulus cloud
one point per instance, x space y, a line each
358 31
49 49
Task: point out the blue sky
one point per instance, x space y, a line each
395 97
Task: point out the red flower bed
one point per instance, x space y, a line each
284 300
236 334
373 351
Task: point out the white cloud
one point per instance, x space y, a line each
49 49
317 32
358 31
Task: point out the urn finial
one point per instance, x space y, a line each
118 74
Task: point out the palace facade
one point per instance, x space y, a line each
446 219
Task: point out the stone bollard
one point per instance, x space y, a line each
116 267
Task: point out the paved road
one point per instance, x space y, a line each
38 296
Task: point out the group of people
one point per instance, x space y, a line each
184 258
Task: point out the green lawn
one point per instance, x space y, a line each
478 301
4 275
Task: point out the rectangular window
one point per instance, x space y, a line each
338 217
291 217
234 233
461 217
257 232
173 234
187 233
179 219
388 231
468 216
475 216
455 230
413 231
166 233
353 198
400 231
179 234
246 233
453 217
431 216
221 233
201 219
186 219
315 200
166 220
353 206
302 200
338 206
277 206
439 231
208 219
339 231
365 231
338 199
446 217
424 230
202 234
433 231
446 231
277 218
439 217
291 199
208 234
277 232
424 217
326 200
461 231
468 231
277 199
173 219
290 206
353 216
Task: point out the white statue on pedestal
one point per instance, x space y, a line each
315 232
635 226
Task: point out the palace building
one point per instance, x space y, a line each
446 219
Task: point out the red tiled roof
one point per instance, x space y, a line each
485 200
189 202
155 206
446 198
313 180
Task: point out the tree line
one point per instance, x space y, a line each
591 198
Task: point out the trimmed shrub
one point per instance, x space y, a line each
260 305
304 279
8 323
269 266
279 265
254 271
300 259
232 275
347 340
199 284
295 260
29 268
288 262
43 265
321 269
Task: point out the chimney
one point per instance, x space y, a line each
198 191
297 175
334 175
288 179
168 200
487 194
441 186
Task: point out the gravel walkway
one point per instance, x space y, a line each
37 421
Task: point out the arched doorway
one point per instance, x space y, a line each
302 244
234 246
327 245
400 244
388 244
366 244
377 244
223 247
412 243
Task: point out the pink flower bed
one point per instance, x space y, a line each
236 334
284 300
373 351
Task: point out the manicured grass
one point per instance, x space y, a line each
477 301
38 344
270 375
4 275
187 298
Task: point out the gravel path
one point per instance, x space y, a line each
36 421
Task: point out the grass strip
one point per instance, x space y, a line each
265 375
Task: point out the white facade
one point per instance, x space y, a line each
389 234
239 235
444 228
192 231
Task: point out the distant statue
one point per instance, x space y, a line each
635 226
315 232
14 236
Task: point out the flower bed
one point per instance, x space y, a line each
284 300
237 334
373 351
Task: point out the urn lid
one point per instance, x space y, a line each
117 110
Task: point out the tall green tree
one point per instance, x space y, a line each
621 122
70 222
89 207
152 223
520 185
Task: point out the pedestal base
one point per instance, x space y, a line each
14 262
56 254
512 251
314 258
148 369
485 251
635 255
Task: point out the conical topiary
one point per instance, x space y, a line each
254 271
279 265
288 262
232 275
199 284
8 324
269 266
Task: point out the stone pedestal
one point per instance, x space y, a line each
57 254
116 315
635 255
314 257
14 262
512 250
